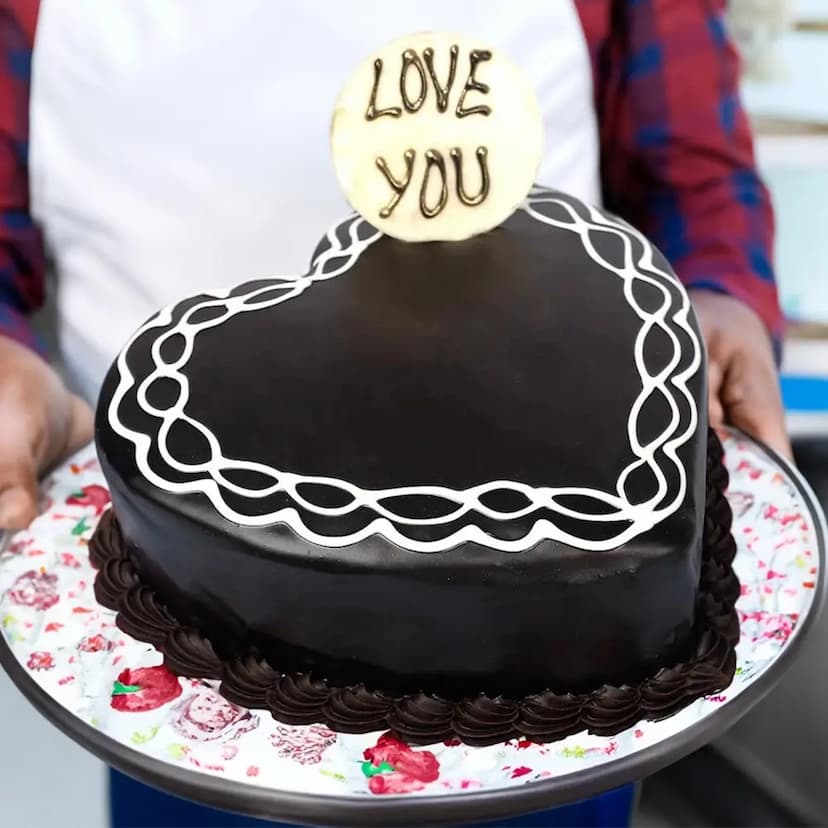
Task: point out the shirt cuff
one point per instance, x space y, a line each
18 326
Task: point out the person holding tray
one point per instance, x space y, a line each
149 150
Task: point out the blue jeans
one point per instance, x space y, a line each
133 805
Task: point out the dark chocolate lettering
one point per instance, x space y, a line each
476 56
372 113
434 159
442 92
411 58
457 158
399 187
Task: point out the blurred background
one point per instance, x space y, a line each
770 770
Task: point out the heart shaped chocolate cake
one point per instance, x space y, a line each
451 488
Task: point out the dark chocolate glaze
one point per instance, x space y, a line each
505 357
423 717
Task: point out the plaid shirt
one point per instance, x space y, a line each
676 150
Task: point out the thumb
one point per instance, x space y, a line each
752 402
715 411
18 493
18 467
18 506
83 425
79 430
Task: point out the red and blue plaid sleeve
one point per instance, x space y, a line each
22 258
677 151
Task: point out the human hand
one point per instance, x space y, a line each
743 383
41 423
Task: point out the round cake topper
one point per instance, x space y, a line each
436 137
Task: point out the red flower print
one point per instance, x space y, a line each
771 626
92 495
144 688
304 745
206 716
94 644
754 472
35 589
394 783
794 517
206 765
252 771
18 547
392 767
68 559
40 661
521 771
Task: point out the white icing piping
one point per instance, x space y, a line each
641 516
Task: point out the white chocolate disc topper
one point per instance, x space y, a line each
436 137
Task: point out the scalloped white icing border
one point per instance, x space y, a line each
641 516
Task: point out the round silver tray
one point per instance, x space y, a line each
65 655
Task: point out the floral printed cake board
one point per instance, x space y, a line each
110 692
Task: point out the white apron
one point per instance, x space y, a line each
179 145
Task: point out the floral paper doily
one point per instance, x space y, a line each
71 647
